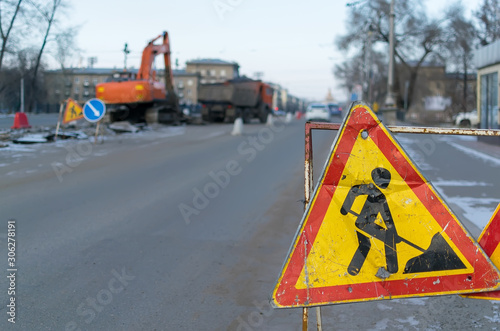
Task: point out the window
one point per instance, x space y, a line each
190 82
86 81
188 92
77 80
95 81
489 101
77 90
212 73
203 72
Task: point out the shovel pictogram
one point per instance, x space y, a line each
439 255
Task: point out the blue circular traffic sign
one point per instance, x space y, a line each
94 110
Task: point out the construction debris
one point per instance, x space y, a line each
123 126
33 138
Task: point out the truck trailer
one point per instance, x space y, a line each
240 97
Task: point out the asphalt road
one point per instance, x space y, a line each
186 228
87 213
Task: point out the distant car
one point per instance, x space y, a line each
278 112
335 109
467 120
192 113
318 112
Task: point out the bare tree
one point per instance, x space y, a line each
459 46
5 33
354 71
416 37
350 72
47 11
8 12
16 68
64 50
65 46
488 17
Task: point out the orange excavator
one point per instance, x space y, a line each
142 97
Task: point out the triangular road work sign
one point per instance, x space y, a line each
73 111
490 242
377 229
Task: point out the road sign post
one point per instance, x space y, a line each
94 111
59 120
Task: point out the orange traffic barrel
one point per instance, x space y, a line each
20 121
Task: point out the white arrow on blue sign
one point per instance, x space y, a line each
94 110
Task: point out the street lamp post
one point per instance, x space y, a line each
390 101
126 52
369 74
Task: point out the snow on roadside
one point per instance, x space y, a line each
14 153
460 183
26 148
496 316
477 210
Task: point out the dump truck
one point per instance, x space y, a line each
239 97
142 97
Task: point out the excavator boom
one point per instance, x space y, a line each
149 53
143 98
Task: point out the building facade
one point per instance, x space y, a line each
437 95
213 70
487 61
186 85
79 84
76 83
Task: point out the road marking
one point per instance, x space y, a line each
473 152
96 112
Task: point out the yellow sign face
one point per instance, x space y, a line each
377 229
73 111
338 240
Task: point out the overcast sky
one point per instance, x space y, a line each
291 42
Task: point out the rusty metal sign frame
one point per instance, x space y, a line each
308 167
309 126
